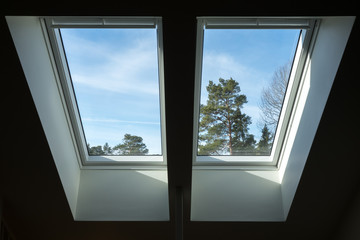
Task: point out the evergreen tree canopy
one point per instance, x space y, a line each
223 128
132 145
95 151
265 143
107 149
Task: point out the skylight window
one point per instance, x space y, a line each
111 76
115 78
246 70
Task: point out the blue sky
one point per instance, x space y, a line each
115 76
249 56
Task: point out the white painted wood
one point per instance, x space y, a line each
34 57
258 22
324 62
235 196
123 195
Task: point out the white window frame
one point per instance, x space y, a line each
64 83
300 62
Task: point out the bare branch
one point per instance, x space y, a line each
272 96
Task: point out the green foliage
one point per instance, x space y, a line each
265 143
131 145
107 149
95 151
223 128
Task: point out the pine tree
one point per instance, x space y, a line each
107 149
223 128
132 145
265 143
95 151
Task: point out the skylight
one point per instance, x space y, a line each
244 68
112 79
115 78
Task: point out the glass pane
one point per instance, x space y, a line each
244 79
115 79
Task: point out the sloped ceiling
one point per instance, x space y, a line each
33 201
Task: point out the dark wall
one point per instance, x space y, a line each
349 228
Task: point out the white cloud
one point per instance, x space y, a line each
220 65
123 70
223 65
216 65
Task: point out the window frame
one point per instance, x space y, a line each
299 64
52 26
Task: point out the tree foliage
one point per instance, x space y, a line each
265 143
95 150
130 145
107 149
223 127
